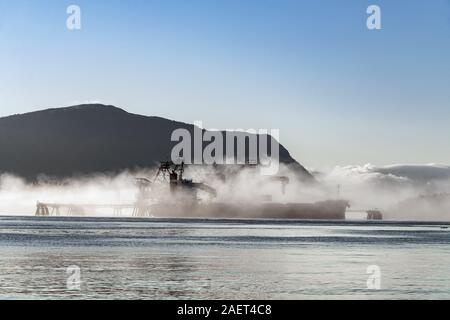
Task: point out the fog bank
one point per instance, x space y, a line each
402 192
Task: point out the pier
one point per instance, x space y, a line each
66 209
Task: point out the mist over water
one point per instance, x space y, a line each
396 190
402 192
17 197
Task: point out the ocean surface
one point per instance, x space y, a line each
133 258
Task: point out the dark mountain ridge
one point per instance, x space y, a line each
87 139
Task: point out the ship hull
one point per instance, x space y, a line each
331 209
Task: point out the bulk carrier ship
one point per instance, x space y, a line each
182 202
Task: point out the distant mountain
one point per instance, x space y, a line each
92 138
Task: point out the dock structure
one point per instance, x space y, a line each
371 214
374 215
67 209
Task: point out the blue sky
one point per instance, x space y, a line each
339 93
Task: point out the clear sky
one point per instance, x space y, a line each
339 93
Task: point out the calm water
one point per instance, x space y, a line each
221 259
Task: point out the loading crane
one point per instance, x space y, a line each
173 173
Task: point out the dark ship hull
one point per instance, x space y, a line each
330 210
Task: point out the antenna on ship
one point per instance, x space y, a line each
338 191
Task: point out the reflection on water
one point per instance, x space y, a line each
221 259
